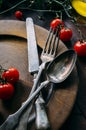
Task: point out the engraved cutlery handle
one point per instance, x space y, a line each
42 122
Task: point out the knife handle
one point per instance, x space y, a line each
42 122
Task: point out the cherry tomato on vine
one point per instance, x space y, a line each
18 14
65 34
11 75
80 47
56 22
6 91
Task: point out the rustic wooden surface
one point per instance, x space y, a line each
76 119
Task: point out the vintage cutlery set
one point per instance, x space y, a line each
57 69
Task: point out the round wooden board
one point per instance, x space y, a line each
13 52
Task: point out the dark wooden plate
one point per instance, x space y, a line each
13 52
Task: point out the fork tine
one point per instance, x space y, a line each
54 43
48 41
49 44
45 46
57 43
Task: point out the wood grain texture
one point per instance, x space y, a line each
13 52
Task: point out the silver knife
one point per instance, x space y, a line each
33 62
33 58
33 67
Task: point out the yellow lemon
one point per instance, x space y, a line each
79 6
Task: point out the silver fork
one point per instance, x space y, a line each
47 55
49 50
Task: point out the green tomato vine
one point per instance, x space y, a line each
39 6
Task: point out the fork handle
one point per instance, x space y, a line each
42 122
41 68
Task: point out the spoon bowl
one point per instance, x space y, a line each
60 68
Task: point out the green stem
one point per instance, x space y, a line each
60 3
51 11
63 4
13 7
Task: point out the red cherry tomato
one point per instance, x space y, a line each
6 91
56 22
80 48
18 14
11 75
65 34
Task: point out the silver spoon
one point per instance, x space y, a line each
57 71
60 68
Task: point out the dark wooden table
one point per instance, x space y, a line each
77 117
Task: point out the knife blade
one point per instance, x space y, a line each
33 60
